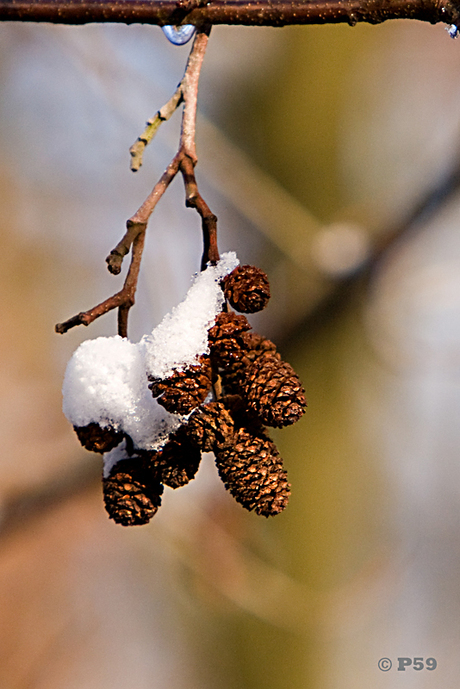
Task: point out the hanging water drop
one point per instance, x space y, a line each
179 35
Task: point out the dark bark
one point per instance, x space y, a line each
253 13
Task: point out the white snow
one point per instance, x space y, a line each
118 454
182 336
105 382
106 378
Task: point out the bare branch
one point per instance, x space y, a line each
142 215
252 13
184 161
122 300
208 219
190 90
116 256
189 85
130 285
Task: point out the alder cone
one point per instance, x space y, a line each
211 427
242 416
252 471
257 345
247 289
131 496
184 390
177 462
227 324
225 338
95 438
274 392
254 346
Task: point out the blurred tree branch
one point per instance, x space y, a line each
334 300
252 13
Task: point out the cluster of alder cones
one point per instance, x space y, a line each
230 395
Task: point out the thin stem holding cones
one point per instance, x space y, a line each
184 161
208 219
190 87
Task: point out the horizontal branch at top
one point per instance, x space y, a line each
252 13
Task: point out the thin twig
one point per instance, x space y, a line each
184 161
115 258
123 299
142 215
190 87
131 283
163 114
134 238
194 199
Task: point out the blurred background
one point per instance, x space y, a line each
331 156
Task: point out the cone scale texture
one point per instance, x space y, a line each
252 471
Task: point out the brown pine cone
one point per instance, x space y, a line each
274 392
225 338
247 289
252 471
131 495
97 439
177 462
211 427
184 390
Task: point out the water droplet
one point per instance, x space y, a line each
179 35
352 19
452 30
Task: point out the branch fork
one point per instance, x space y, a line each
184 162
